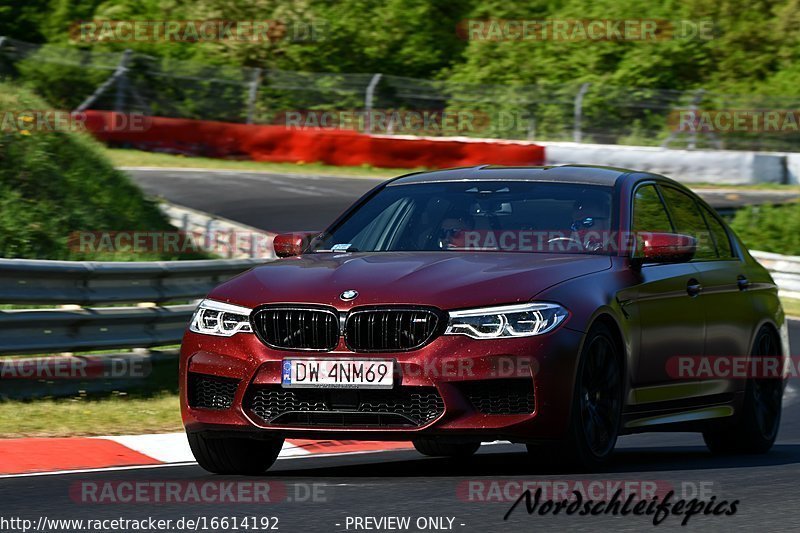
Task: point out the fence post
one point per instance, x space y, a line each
119 73
531 128
696 99
692 144
210 236
577 132
369 98
122 82
253 244
252 94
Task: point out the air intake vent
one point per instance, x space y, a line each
500 396
296 328
390 330
211 392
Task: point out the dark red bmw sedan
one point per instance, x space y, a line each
552 306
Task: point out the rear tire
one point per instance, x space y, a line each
596 408
438 448
756 426
237 455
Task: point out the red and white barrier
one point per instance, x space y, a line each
293 145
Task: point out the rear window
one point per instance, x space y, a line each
720 235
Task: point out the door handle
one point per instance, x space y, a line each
693 287
742 282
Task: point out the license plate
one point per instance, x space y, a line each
338 373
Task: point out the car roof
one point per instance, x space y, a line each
580 174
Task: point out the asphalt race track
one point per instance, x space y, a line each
322 494
283 202
272 202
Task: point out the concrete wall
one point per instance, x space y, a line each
709 166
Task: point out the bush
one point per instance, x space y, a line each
55 183
769 228
65 77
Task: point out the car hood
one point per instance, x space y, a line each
448 280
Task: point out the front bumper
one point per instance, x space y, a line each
451 368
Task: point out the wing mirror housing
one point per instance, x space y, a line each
665 248
291 244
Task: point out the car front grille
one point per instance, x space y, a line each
500 396
390 330
211 392
296 328
399 407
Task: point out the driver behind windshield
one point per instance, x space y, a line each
591 223
590 213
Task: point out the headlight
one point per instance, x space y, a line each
523 320
221 319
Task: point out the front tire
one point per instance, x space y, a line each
756 426
237 455
596 407
438 448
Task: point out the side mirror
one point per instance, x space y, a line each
666 248
289 244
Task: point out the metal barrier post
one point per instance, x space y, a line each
252 94
210 237
369 98
253 245
122 82
120 73
577 133
698 97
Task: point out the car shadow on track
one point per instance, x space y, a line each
406 464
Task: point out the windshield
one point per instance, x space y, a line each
514 216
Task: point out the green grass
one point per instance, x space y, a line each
791 306
151 407
771 228
136 158
55 184
82 416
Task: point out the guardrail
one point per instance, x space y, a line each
77 284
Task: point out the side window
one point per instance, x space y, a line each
688 220
648 211
721 238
